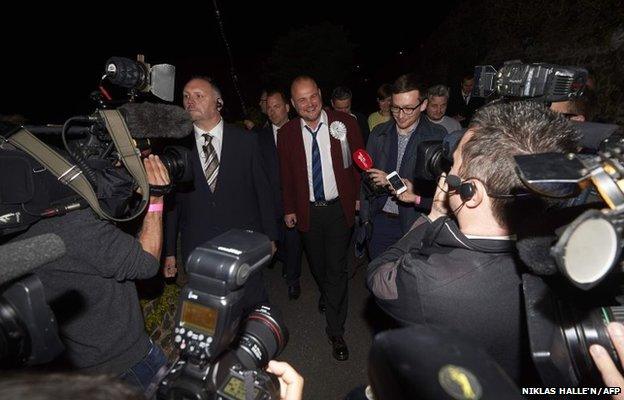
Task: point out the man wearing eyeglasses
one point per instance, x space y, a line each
456 267
392 146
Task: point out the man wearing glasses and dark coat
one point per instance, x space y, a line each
392 146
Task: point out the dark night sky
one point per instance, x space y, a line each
49 76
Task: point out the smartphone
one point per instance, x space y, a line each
396 182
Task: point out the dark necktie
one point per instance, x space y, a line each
317 168
212 162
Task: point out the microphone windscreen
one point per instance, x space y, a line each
21 257
362 159
152 120
535 254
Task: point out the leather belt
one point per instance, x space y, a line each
324 203
390 215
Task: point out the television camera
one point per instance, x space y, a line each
514 81
583 244
40 180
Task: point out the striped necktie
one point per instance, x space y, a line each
212 162
317 167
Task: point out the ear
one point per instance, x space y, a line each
423 106
292 101
479 194
219 103
287 107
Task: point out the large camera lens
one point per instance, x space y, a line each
177 161
560 333
264 337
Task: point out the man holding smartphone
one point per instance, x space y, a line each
392 146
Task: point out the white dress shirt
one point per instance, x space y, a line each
217 141
322 137
275 128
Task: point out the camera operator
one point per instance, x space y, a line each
456 266
92 291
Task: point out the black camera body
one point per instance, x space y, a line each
209 320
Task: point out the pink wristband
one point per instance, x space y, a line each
155 207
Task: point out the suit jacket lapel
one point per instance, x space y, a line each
336 149
299 153
228 154
390 137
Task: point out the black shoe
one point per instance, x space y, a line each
321 305
294 291
340 351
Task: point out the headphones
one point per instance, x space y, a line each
466 189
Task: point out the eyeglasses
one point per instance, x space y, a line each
406 110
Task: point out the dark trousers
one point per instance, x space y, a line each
326 245
289 252
386 232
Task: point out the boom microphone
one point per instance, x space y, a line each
144 120
21 257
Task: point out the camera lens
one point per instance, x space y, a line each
176 160
14 338
581 329
264 337
561 331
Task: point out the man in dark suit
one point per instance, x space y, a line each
230 188
392 146
289 242
320 187
462 104
341 101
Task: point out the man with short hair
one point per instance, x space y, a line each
462 104
392 146
437 100
341 101
230 188
320 186
289 242
456 266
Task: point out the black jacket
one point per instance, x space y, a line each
436 275
242 198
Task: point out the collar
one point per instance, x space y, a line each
216 132
444 232
410 132
323 119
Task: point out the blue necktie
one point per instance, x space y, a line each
317 168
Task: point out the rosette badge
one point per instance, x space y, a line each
338 130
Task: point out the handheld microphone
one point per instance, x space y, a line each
21 257
362 159
144 120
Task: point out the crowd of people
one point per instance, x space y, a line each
441 252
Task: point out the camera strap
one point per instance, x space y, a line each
72 176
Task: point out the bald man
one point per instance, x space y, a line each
319 190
